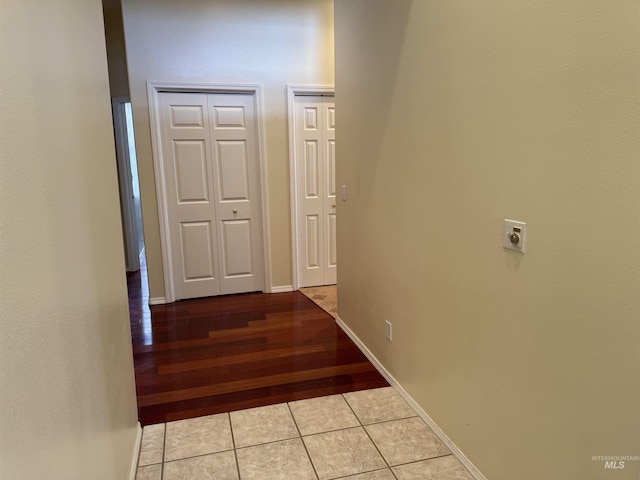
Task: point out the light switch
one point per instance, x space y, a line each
515 235
344 193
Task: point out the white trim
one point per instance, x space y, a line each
292 92
262 164
124 181
473 470
136 453
153 91
157 301
281 289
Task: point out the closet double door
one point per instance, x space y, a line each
316 189
212 190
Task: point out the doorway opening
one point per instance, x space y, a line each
130 209
133 165
313 193
313 189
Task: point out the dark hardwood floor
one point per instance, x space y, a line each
219 354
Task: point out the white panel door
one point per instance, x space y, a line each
316 202
238 208
213 193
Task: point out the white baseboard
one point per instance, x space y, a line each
281 289
473 470
136 453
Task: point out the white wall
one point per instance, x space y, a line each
451 117
270 42
67 393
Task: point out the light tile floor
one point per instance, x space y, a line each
326 297
365 435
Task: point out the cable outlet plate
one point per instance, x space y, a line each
514 228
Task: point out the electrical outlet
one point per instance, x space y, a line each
387 329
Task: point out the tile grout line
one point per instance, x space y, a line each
332 431
394 420
369 436
425 460
267 443
199 455
405 463
352 410
164 461
379 452
304 445
233 442
400 464
354 475
164 447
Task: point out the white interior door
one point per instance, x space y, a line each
212 189
128 207
316 192
238 209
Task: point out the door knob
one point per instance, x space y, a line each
333 206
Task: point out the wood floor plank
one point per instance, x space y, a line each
249 384
150 382
212 355
255 330
236 359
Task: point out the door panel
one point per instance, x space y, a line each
188 116
236 236
311 173
331 116
315 184
191 170
311 117
198 256
331 169
238 211
210 156
228 117
233 173
312 243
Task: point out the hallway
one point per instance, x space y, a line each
267 386
219 354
